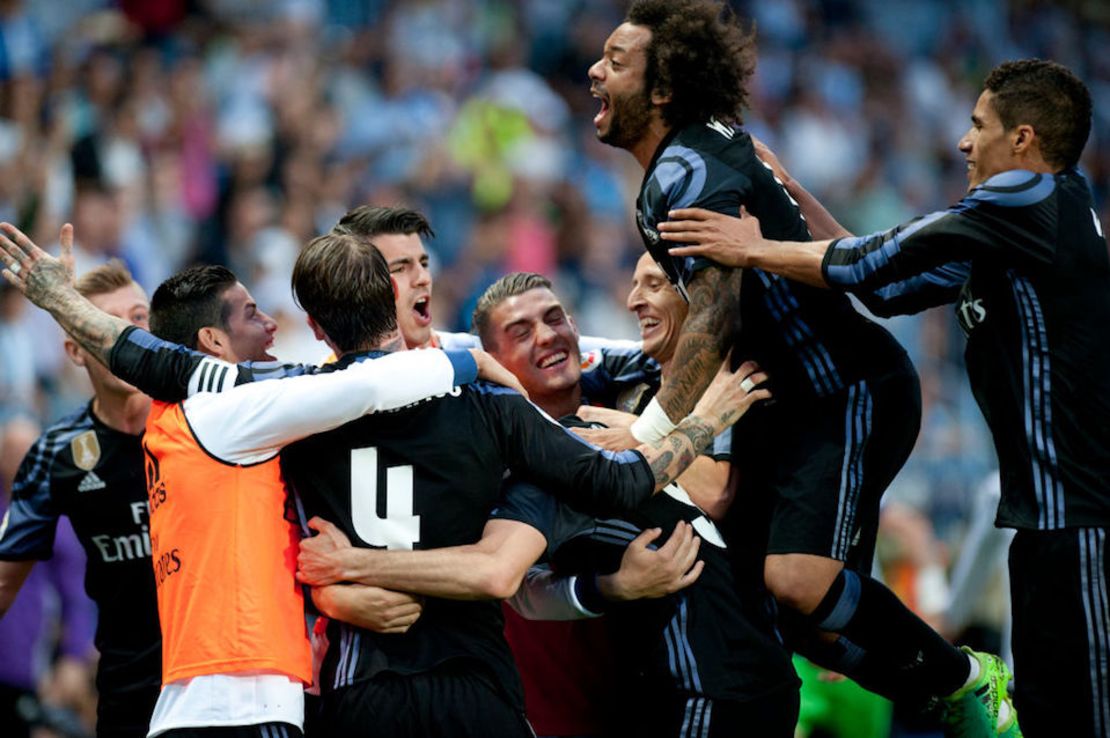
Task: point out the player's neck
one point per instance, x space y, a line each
644 149
123 412
560 404
391 342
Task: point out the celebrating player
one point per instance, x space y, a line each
671 83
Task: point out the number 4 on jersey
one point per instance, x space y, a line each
399 529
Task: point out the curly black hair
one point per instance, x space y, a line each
701 54
1047 96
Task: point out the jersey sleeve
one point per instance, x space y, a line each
526 503
541 451
29 525
250 423
171 372
1003 220
721 447
938 286
545 595
685 178
608 372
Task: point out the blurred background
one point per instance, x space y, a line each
233 131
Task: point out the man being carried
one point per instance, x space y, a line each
1023 257
672 84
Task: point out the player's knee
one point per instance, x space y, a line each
794 586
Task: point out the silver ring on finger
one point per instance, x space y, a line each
747 384
15 268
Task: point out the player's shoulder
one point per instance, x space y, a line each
77 430
699 162
66 429
717 143
484 389
1014 188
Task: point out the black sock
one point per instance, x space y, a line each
896 647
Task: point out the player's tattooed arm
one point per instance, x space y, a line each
709 326
49 283
678 450
727 397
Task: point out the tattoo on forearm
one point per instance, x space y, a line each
660 468
691 436
702 346
93 329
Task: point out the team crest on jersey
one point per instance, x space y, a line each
591 360
86 450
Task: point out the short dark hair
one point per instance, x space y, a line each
101 280
700 54
367 221
1049 97
511 285
190 300
342 282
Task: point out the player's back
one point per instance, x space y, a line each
422 477
811 341
427 476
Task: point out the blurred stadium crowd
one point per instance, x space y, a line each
233 131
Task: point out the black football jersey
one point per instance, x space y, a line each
1025 261
715 638
810 341
93 474
427 476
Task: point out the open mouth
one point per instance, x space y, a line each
604 105
553 360
648 325
421 309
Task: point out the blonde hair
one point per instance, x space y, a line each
103 279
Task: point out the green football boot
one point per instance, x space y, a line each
974 711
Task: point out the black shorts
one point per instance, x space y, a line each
125 713
1061 638
768 716
263 730
822 466
453 700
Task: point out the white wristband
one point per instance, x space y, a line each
653 424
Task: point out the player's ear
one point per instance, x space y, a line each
316 329
211 340
660 96
1024 139
73 351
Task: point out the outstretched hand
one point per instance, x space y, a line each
731 393
729 241
31 270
